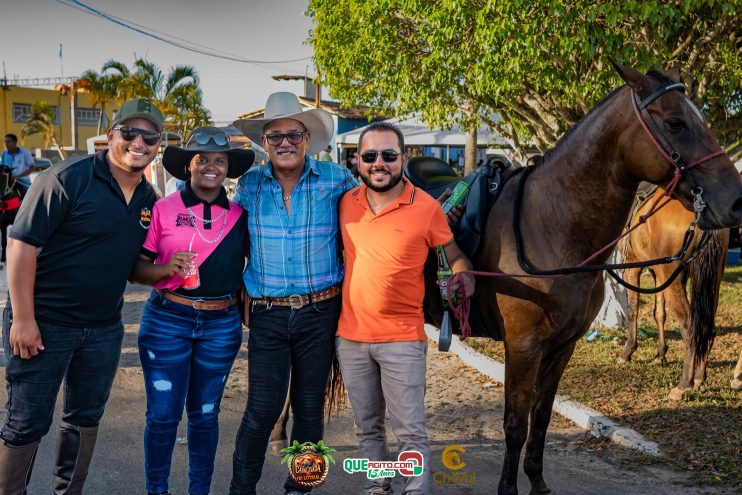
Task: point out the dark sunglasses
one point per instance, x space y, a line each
130 134
389 156
294 137
202 138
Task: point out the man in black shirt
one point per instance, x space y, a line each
72 248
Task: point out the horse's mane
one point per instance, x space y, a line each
653 73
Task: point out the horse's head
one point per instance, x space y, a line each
669 144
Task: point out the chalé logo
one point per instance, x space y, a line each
308 463
408 463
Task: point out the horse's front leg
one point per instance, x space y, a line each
521 364
547 381
660 317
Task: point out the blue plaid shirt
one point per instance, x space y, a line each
296 253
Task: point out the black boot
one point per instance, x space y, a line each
16 464
74 451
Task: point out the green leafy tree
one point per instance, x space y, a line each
530 70
41 121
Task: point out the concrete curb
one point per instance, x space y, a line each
585 417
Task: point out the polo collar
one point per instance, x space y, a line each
405 198
190 199
100 166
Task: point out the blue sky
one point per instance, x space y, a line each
266 30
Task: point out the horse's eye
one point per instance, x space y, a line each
674 125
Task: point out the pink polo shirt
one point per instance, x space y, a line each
172 229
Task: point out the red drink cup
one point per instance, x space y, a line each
192 279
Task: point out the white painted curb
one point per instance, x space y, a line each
583 416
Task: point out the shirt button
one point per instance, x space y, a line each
292 285
289 258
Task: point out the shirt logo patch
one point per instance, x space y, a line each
145 217
184 220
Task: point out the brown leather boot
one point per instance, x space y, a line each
16 464
74 451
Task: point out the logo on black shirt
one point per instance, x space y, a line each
145 217
184 220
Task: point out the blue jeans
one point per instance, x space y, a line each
86 359
284 342
186 357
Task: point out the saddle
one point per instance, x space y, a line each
434 176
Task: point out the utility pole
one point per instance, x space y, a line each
73 114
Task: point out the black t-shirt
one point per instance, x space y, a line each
221 273
89 240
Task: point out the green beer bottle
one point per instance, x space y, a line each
444 274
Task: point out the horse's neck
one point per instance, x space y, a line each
592 189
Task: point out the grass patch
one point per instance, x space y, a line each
703 433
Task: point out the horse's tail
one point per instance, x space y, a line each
705 273
335 391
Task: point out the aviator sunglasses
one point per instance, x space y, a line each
130 134
293 137
389 156
202 138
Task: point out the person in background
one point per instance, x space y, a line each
325 155
20 162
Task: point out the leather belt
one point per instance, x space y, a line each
200 304
297 301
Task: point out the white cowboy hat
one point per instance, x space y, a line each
284 105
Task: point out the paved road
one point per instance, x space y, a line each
573 465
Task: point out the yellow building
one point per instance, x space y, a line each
15 107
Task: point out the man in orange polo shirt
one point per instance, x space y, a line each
388 228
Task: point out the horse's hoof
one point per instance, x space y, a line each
677 394
275 446
736 384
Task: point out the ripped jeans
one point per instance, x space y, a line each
186 357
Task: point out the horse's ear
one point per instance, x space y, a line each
674 74
632 77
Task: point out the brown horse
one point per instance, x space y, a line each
662 236
577 201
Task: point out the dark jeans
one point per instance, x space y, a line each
85 358
186 357
283 343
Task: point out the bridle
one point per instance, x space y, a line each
681 171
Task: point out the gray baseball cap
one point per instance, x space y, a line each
139 108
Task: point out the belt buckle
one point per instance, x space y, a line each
195 302
296 301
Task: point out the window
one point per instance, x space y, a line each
87 116
22 112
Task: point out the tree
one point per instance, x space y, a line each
101 88
539 65
41 121
177 94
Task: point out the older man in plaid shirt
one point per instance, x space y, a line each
293 279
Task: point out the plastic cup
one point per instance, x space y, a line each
192 280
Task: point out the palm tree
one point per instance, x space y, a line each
41 121
177 94
101 88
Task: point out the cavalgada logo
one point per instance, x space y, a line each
308 463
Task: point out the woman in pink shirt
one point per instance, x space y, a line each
191 331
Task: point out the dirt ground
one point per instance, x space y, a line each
463 408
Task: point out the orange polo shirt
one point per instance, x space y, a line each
383 287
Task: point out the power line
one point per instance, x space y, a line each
184 44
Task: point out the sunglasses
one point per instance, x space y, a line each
293 137
389 156
130 134
203 139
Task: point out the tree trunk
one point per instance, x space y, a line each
470 151
100 118
59 150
